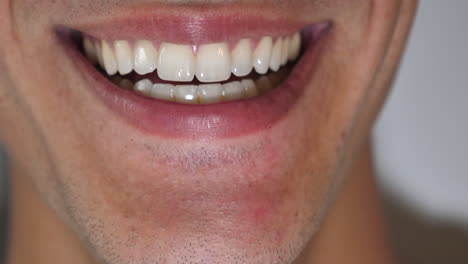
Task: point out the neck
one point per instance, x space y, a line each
353 231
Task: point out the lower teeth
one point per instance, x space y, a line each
203 93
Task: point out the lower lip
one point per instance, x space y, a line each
222 120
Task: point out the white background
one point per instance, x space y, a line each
421 140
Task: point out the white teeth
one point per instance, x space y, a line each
242 58
124 56
143 87
262 55
233 91
208 62
146 57
275 60
97 45
203 93
186 94
213 63
285 51
250 88
294 47
90 50
110 64
163 91
176 63
210 93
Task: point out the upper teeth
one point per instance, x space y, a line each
182 63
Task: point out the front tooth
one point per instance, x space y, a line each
262 55
165 91
143 87
233 91
176 63
275 60
294 47
250 88
108 57
213 62
124 56
285 51
242 58
210 93
186 94
146 57
90 50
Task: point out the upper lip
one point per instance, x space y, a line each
186 25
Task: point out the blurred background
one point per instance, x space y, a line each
420 142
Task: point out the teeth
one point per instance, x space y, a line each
100 60
294 47
210 93
208 62
275 79
143 87
203 93
90 50
264 84
275 60
126 84
124 56
186 94
163 91
110 64
145 59
233 91
262 55
213 63
176 63
285 51
250 88
242 58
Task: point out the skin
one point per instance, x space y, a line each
299 192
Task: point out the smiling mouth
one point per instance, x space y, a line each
195 74
222 85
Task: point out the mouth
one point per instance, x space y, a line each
167 82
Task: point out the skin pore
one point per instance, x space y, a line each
86 190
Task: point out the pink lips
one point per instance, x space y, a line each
229 119
187 26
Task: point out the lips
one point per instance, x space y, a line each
233 97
